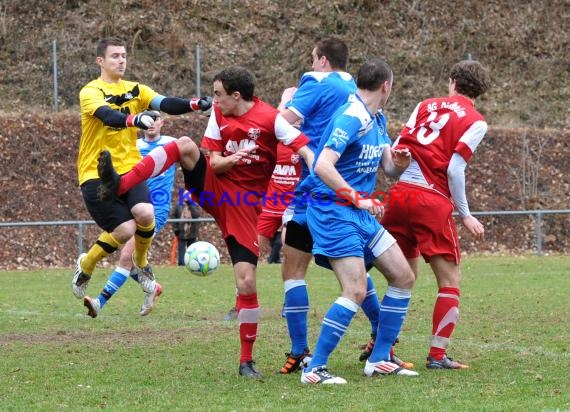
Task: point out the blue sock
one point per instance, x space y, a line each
371 306
393 310
296 309
114 282
334 326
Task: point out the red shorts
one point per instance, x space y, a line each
234 209
269 223
422 222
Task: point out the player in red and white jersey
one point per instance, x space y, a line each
274 202
255 129
442 134
279 194
437 129
241 139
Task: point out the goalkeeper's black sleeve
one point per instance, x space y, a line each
175 105
110 117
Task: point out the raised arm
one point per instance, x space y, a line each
395 161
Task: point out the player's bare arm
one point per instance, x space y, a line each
286 97
395 161
307 155
264 245
221 164
290 116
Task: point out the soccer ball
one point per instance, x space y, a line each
201 258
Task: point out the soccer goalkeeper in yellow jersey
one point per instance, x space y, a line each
111 111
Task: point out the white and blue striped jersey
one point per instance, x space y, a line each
160 187
359 138
317 98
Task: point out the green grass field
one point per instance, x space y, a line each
514 332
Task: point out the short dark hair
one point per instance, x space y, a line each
373 74
335 50
471 78
237 79
109 41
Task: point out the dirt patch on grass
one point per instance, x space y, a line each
130 338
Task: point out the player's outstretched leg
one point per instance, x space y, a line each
110 179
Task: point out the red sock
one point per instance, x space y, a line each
445 317
248 318
157 161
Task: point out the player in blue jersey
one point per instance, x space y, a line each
320 93
342 216
160 187
160 195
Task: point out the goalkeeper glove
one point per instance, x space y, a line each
202 105
142 120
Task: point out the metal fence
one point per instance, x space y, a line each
538 214
82 223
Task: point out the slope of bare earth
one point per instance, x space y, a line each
524 43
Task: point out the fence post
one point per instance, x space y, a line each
538 233
55 74
198 71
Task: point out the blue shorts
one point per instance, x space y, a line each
299 206
297 212
300 217
323 261
343 230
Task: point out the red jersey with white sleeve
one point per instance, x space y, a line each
280 191
284 179
260 126
438 128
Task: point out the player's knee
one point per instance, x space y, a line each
245 280
355 292
143 213
186 145
249 283
360 295
189 152
124 231
408 279
295 263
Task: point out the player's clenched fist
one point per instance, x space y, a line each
202 105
